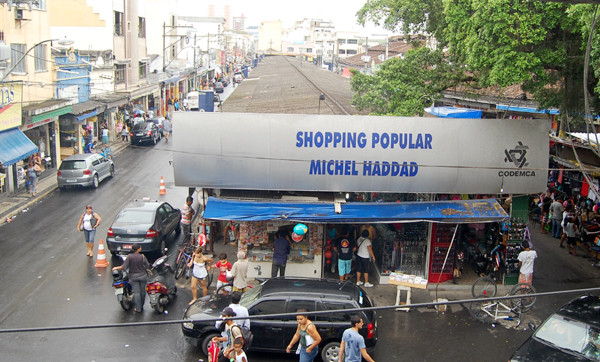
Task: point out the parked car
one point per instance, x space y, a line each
158 121
147 222
219 87
86 169
570 334
287 295
144 132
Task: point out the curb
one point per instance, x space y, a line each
42 194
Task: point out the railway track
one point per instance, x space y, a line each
330 101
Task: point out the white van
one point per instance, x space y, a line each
193 100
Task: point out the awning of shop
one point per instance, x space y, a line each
15 146
83 117
503 107
454 112
459 211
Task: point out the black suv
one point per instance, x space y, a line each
147 222
144 132
287 295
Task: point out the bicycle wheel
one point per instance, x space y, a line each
479 310
180 268
209 279
526 302
225 289
484 287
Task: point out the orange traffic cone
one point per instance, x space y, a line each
162 190
101 261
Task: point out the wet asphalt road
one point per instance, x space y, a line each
48 281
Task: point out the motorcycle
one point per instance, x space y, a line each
161 286
458 267
123 289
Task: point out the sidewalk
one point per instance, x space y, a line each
11 206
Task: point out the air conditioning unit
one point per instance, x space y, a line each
18 14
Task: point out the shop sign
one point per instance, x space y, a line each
11 101
360 153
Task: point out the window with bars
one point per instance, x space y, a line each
352 41
118 23
16 53
143 70
41 61
141 27
120 73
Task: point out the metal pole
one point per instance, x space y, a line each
164 45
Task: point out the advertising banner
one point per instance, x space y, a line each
11 101
360 153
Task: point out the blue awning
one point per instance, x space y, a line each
504 107
459 211
15 146
454 112
83 117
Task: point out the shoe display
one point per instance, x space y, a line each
368 285
359 283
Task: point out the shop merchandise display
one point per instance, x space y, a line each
403 250
441 241
516 230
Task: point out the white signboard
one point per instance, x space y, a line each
359 153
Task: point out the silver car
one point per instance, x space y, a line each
87 169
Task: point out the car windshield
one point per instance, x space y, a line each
73 165
135 216
570 335
250 296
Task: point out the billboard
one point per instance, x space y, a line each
360 153
11 101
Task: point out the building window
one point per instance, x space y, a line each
309 50
141 27
341 41
290 49
118 23
40 58
352 41
351 52
38 4
341 51
17 52
120 73
143 70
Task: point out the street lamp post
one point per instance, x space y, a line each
62 42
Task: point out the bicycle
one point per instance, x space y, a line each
181 264
106 152
489 311
484 287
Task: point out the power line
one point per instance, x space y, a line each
284 315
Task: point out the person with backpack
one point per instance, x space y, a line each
232 331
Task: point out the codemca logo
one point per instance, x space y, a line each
518 157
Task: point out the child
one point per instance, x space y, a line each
238 355
223 266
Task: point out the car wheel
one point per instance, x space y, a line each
331 352
96 182
206 342
63 188
112 170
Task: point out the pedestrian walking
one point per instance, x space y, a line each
232 332
363 258
223 266
344 246
231 233
32 177
571 229
167 129
307 336
239 271
239 310
104 134
281 250
546 201
556 208
187 214
199 272
526 260
137 264
352 347
88 223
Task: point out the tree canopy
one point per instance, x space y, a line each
539 45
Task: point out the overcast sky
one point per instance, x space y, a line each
341 13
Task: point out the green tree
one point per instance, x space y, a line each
537 44
402 87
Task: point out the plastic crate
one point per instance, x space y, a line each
511 278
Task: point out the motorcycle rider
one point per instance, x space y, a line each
137 264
